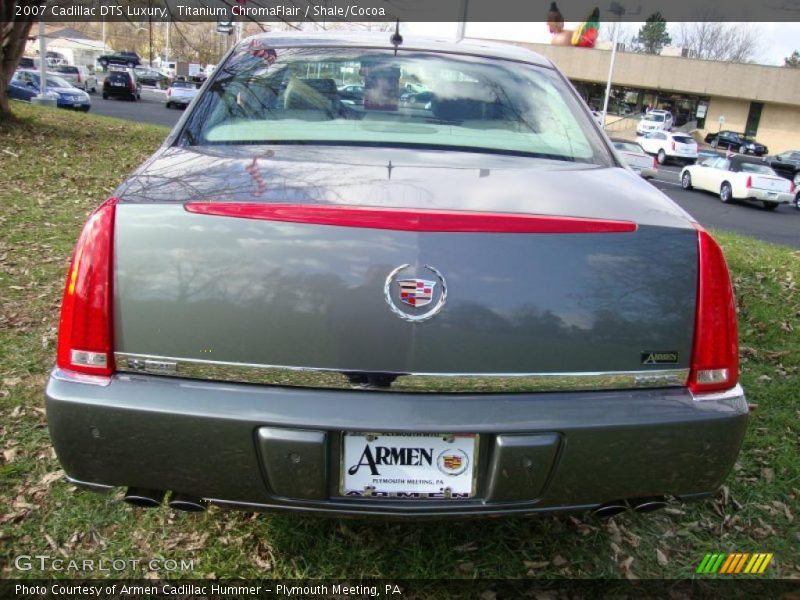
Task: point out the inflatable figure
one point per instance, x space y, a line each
584 36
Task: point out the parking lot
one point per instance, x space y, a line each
779 227
150 109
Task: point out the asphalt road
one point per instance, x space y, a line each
150 109
781 226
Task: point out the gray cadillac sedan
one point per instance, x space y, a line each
464 308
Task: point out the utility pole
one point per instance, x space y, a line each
42 98
150 27
166 58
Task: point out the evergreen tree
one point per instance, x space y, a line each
653 35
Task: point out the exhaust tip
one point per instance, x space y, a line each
610 509
187 503
144 498
645 505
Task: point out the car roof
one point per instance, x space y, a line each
381 40
738 159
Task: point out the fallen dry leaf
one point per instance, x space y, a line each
559 561
661 558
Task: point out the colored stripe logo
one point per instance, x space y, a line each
735 564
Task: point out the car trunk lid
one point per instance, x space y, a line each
232 290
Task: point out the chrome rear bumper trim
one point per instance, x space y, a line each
398 382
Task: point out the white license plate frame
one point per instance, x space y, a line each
446 469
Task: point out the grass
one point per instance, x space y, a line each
56 166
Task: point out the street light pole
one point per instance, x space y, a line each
42 98
618 10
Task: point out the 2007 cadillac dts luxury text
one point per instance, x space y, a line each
321 294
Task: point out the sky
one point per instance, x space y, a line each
780 39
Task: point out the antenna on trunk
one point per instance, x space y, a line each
396 38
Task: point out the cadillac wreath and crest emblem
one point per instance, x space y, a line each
406 295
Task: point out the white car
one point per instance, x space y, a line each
79 76
180 93
739 178
636 158
655 120
667 146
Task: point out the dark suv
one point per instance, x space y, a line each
122 84
126 59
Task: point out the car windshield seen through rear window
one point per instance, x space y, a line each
182 84
264 95
683 139
629 147
118 77
757 169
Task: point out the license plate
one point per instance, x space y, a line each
772 194
118 84
421 466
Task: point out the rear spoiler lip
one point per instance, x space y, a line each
411 219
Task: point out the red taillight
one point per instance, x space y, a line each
169 92
655 163
673 145
715 355
133 85
84 332
79 76
791 187
749 183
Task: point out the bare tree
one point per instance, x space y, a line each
627 37
715 40
13 36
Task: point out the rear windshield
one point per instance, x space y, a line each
118 76
57 82
682 139
629 147
265 95
183 84
757 169
657 118
67 69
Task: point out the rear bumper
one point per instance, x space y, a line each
764 195
646 172
538 452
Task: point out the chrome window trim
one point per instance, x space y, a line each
403 382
